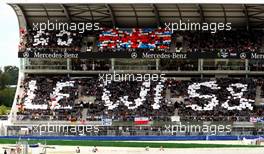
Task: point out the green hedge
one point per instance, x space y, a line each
126 144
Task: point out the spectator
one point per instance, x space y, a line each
95 149
78 150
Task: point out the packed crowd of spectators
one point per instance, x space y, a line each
228 41
84 65
61 98
222 92
142 39
50 41
136 38
47 95
256 66
185 65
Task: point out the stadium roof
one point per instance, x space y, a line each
142 15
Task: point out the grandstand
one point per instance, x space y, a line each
200 77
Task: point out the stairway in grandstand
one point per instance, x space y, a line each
168 94
19 92
169 98
262 42
173 45
259 99
84 113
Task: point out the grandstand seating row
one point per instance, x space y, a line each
64 98
142 38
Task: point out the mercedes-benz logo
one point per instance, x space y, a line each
26 55
243 55
223 54
134 55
